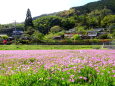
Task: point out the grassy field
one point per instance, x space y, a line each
47 47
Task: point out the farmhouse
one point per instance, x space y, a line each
89 34
69 35
17 33
92 34
99 29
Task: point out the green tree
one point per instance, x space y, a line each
92 22
37 37
105 36
44 24
108 20
67 13
28 20
49 37
68 23
30 30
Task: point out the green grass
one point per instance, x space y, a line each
46 47
58 78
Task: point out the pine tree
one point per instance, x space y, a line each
28 20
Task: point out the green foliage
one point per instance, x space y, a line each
113 35
47 47
81 30
102 12
76 37
86 77
67 13
108 20
111 28
49 37
44 24
37 37
105 36
2 26
28 20
24 39
68 23
30 30
55 29
92 22
4 37
96 5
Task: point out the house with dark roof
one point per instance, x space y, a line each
90 34
99 29
17 33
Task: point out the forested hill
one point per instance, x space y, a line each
110 4
97 5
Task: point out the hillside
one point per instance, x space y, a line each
51 14
110 4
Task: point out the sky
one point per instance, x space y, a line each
15 10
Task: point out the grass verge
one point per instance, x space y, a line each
46 47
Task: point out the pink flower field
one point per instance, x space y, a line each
67 65
50 58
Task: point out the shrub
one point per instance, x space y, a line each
104 36
37 37
76 37
4 36
55 29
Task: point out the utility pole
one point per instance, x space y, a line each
15 30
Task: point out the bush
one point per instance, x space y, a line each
76 37
55 29
37 37
104 36
4 37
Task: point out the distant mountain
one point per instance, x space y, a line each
110 4
50 14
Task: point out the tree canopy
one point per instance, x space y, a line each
28 20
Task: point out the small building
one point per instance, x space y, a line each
69 35
17 33
99 29
92 34
57 38
71 31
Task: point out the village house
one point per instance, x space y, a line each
58 37
17 33
96 32
90 34
70 33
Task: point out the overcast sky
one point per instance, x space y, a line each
11 10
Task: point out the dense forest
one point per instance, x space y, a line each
99 14
110 4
